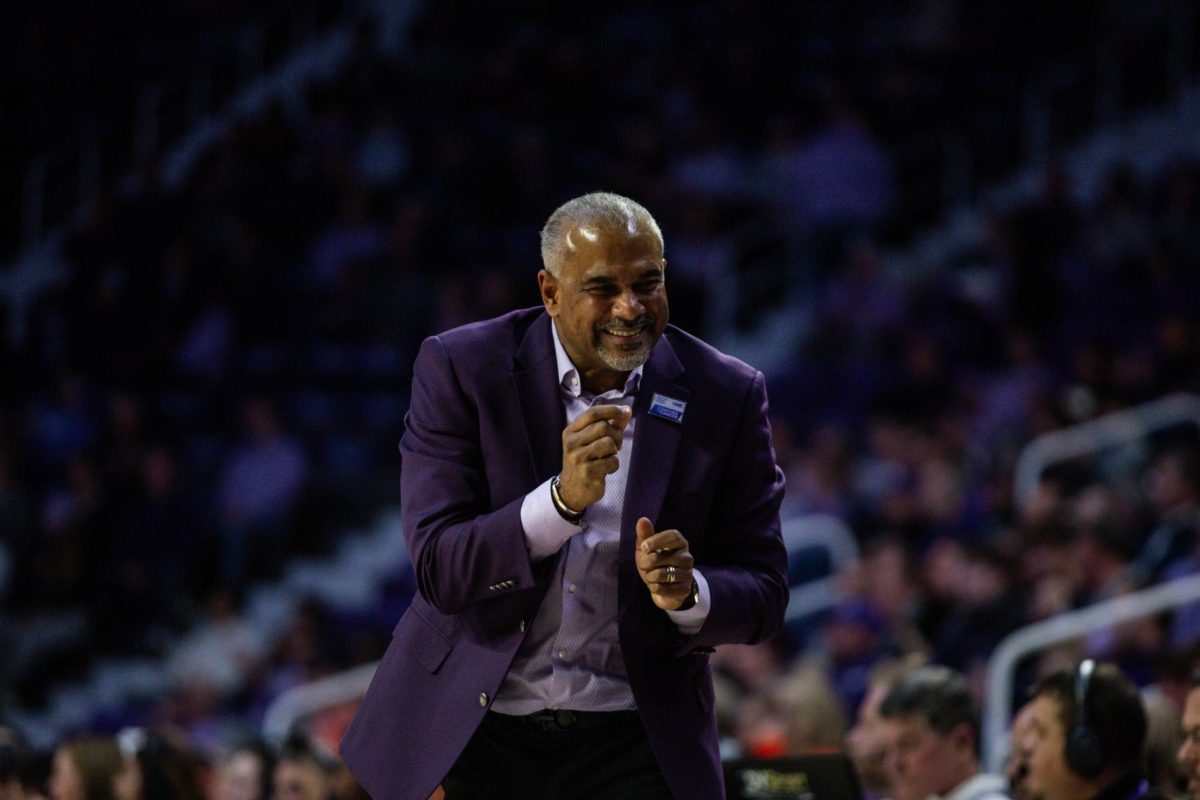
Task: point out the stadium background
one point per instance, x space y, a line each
943 230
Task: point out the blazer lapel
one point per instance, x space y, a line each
535 381
654 444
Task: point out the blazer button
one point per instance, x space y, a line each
483 699
522 626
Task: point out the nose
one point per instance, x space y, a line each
628 306
1187 752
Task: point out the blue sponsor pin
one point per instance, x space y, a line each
667 407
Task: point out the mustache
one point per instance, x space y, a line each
618 325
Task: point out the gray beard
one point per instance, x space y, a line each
623 362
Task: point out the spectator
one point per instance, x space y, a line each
1160 759
245 774
798 713
838 178
154 768
853 639
300 773
932 732
83 769
259 482
221 651
865 743
1189 749
1086 735
1016 766
18 780
1173 487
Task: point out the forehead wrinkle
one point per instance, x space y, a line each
598 271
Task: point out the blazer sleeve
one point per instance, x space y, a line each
463 550
746 563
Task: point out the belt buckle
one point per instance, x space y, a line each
552 720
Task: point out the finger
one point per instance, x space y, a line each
598 468
665 576
601 413
680 559
644 529
622 421
593 433
601 448
665 540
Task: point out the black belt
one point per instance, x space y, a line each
553 720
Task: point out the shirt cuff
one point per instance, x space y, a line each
691 621
545 529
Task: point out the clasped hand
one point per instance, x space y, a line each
590 447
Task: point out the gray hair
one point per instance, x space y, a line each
602 207
939 695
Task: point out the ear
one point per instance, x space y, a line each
549 289
963 738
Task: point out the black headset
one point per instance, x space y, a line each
1085 750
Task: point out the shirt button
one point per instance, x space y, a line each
571 588
583 525
483 699
562 653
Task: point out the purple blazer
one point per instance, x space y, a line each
483 430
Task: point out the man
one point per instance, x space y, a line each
300 773
1173 488
591 503
18 773
931 730
1085 737
1016 766
246 773
865 742
1189 750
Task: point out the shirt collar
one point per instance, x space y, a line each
981 785
568 374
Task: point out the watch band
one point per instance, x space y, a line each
692 599
564 511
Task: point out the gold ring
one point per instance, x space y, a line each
671 573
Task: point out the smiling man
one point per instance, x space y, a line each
591 504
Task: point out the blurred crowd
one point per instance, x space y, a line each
221 385
908 410
141 764
1084 731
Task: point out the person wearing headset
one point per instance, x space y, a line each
1085 736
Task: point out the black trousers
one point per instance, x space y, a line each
558 755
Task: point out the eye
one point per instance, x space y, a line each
648 286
